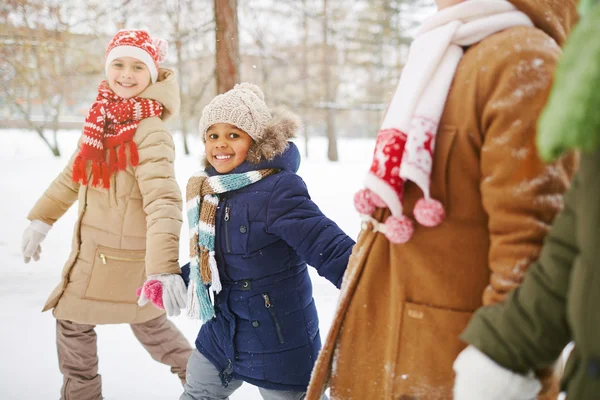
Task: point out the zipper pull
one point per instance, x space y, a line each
226 213
103 257
267 300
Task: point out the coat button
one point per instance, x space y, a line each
255 324
245 284
243 229
593 368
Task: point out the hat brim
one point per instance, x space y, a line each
135 52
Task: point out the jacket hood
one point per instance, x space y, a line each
283 126
165 91
555 17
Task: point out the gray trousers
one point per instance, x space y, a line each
202 382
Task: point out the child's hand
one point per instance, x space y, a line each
165 291
32 237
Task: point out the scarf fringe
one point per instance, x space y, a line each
207 311
193 306
216 282
205 269
134 156
122 158
117 161
79 173
112 159
100 172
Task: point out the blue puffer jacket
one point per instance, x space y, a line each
266 329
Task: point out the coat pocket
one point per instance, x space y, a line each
278 321
236 228
429 344
115 275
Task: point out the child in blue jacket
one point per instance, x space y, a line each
253 230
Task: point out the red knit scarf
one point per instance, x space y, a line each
111 122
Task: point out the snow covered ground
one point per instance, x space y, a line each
28 361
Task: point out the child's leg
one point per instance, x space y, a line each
78 361
165 343
268 394
203 382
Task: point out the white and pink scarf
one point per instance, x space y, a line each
406 141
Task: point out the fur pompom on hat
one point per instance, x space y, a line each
244 107
137 43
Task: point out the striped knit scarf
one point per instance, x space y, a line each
202 201
111 122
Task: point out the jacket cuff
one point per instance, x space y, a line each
40 227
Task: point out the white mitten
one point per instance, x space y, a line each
32 237
165 291
479 377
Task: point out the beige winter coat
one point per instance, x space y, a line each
123 233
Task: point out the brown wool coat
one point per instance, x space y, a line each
402 307
124 233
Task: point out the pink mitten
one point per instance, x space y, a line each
153 291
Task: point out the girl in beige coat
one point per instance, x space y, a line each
129 220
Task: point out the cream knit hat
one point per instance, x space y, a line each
243 106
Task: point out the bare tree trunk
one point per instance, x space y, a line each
228 57
178 52
332 153
38 129
305 70
183 116
56 126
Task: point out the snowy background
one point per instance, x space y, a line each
28 360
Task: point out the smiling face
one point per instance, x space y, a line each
226 147
128 76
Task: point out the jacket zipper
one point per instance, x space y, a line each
104 258
227 242
269 306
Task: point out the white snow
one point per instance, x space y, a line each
28 361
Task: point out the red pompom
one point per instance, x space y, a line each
377 201
363 203
429 212
398 229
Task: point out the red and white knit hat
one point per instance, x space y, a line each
137 43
